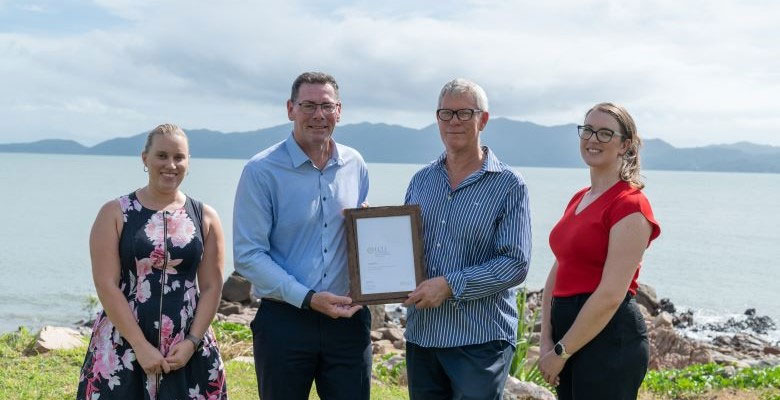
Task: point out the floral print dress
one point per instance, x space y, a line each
159 254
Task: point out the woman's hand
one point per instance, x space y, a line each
551 365
180 354
151 360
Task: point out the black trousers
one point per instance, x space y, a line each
613 364
473 372
294 347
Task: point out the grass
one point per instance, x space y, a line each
55 375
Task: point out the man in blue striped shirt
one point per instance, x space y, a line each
462 321
288 240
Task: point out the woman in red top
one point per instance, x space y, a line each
594 339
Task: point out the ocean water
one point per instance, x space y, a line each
718 253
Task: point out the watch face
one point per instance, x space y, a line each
558 349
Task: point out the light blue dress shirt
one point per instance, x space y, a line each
478 237
288 226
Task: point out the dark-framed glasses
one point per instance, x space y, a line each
464 114
309 107
603 135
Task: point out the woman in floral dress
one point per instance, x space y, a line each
153 340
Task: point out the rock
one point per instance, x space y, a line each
228 307
236 288
645 295
383 346
535 338
750 312
662 320
516 389
532 355
378 314
391 334
683 320
56 338
670 350
376 336
400 344
244 359
728 372
646 314
772 350
666 305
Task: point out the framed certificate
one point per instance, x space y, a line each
385 251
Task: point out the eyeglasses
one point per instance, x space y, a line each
309 107
464 114
603 135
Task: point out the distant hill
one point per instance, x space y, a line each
515 142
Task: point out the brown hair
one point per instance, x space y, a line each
629 167
164 129
314 78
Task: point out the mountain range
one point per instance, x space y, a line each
515 142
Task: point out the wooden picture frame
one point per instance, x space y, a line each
389 241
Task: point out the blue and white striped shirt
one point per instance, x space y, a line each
478 237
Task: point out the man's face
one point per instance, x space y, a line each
312 130
460 135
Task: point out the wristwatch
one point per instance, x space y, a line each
560 350
195 340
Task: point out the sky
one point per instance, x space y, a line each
692 73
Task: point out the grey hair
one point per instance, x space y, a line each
462 86
164 129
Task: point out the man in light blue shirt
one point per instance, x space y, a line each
289 241
462 322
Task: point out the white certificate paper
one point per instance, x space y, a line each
386 254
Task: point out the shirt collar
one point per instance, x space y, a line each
298 157
490 162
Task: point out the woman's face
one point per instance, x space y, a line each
603 155
167 160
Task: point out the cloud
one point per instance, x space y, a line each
692 73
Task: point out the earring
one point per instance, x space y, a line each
146 169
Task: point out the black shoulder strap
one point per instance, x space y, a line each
197 209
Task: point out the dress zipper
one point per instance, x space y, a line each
162 291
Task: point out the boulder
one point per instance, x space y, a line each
668 350
56 338
376 336
236 288
516 389
645 295
228 307
392 334
378 314
663 320
384 346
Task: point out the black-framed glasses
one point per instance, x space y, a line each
464 114
309 107
603 135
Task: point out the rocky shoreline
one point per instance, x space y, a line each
735 343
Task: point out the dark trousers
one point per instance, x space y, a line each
294 347
613 364
474 372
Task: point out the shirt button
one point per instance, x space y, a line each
326 250
324 198
326 225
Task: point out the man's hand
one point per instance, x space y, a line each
333 306
431 293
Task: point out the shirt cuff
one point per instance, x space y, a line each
296 295
457 283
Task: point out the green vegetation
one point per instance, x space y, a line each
521 367
54 375
695 380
